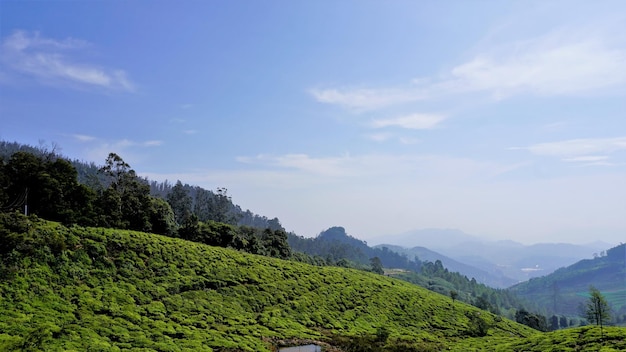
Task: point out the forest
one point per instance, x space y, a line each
40 182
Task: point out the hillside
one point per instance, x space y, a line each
564 290
73 288
425 254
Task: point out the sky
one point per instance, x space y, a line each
504 119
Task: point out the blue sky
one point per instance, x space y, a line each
506 120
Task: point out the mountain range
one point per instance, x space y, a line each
497 263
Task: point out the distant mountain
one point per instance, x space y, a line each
498 259
518 261
425 254
565 289
335 246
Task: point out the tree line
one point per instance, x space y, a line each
47 185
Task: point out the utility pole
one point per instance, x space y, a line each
26 202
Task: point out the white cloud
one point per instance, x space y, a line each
558 63
329 166
581 152
587 159
83 137
379 166
408 140
561 62
413 121
94 148
379 137
584 147
362 99
153 143
45 59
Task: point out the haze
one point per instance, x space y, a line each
501 119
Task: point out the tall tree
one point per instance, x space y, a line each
117 170
162 217
220 210
598 311
377 265
180 201
129 194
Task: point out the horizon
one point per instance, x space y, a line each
502 120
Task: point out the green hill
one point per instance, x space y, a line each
563 291
76 288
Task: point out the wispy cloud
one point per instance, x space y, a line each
83 137
413 121
561 62
578 147
153 143
558 63
96 148
380 137
375 166
587 159
586 151
329 166
362 99
46 60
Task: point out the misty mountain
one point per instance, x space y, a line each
425 254
510 260
518 261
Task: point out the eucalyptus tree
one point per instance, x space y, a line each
598 311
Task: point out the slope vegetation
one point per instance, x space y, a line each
76 288
563 291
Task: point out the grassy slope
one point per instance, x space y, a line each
108 290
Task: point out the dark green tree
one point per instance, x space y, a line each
275 243
377 265
190 229
46 187
220 207
180 201
162 217
478 327
116 169
554 322
563 322
109 209
454 294
202 204
598 311
535 321
126 202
